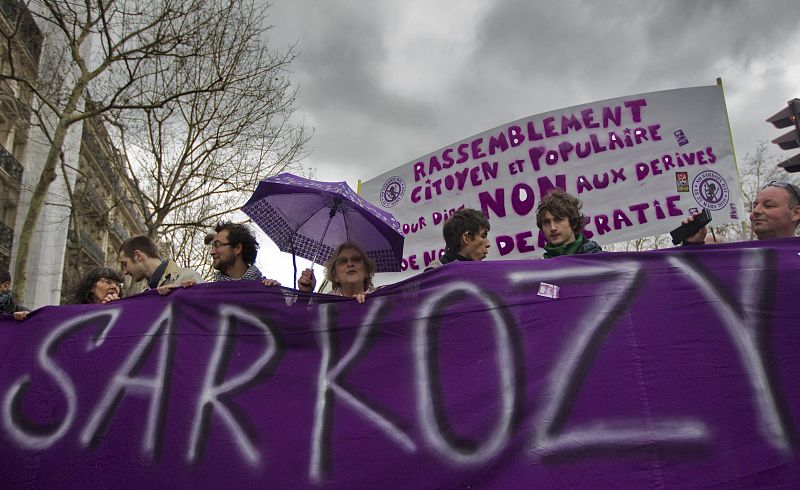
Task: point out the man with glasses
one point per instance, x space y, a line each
233 250
775 213
139 258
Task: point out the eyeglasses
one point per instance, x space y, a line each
110 282
217 244
784 185
343 260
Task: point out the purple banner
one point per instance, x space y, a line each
672 368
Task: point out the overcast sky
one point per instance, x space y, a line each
383 82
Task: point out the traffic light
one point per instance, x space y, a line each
784 118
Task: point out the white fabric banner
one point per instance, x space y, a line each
640 164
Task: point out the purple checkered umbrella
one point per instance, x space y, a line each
308 218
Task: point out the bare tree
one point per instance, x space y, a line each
198 157
640 244
130 55
187 246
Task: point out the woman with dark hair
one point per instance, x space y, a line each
99 285
349 271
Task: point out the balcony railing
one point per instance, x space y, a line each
10 164
91 248
30 35
92 197
132 210
119 230
14 107
6 238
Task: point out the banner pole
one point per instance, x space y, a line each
742 230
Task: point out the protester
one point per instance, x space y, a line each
100 285
233 251
349 271
465 236
559 217
8 305
775 213
139 258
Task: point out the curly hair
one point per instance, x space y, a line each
463 221
82 293
330 266
561 205
239 233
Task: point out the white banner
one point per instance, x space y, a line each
640 164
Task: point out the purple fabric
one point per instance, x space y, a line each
289 207
674 369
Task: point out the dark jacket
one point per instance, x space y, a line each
8 305
446 258
589 247
579 247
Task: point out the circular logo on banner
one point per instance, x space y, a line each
392 191
710 190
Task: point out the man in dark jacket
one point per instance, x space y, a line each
559 218
7 303
465 237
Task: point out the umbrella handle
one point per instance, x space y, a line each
319 247
294 258
334 208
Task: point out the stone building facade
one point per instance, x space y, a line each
89 208
104 211
14 115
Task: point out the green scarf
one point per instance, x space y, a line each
551 250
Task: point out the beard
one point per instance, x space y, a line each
223 265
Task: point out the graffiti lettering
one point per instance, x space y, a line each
744 321
429 408
329 384
125 382
215 395
37 436
565 381
468 372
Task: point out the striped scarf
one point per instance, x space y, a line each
252 274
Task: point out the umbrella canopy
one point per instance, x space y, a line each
310 219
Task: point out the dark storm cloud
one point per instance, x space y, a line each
526 58
341 59
341 47
572 52
619 47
